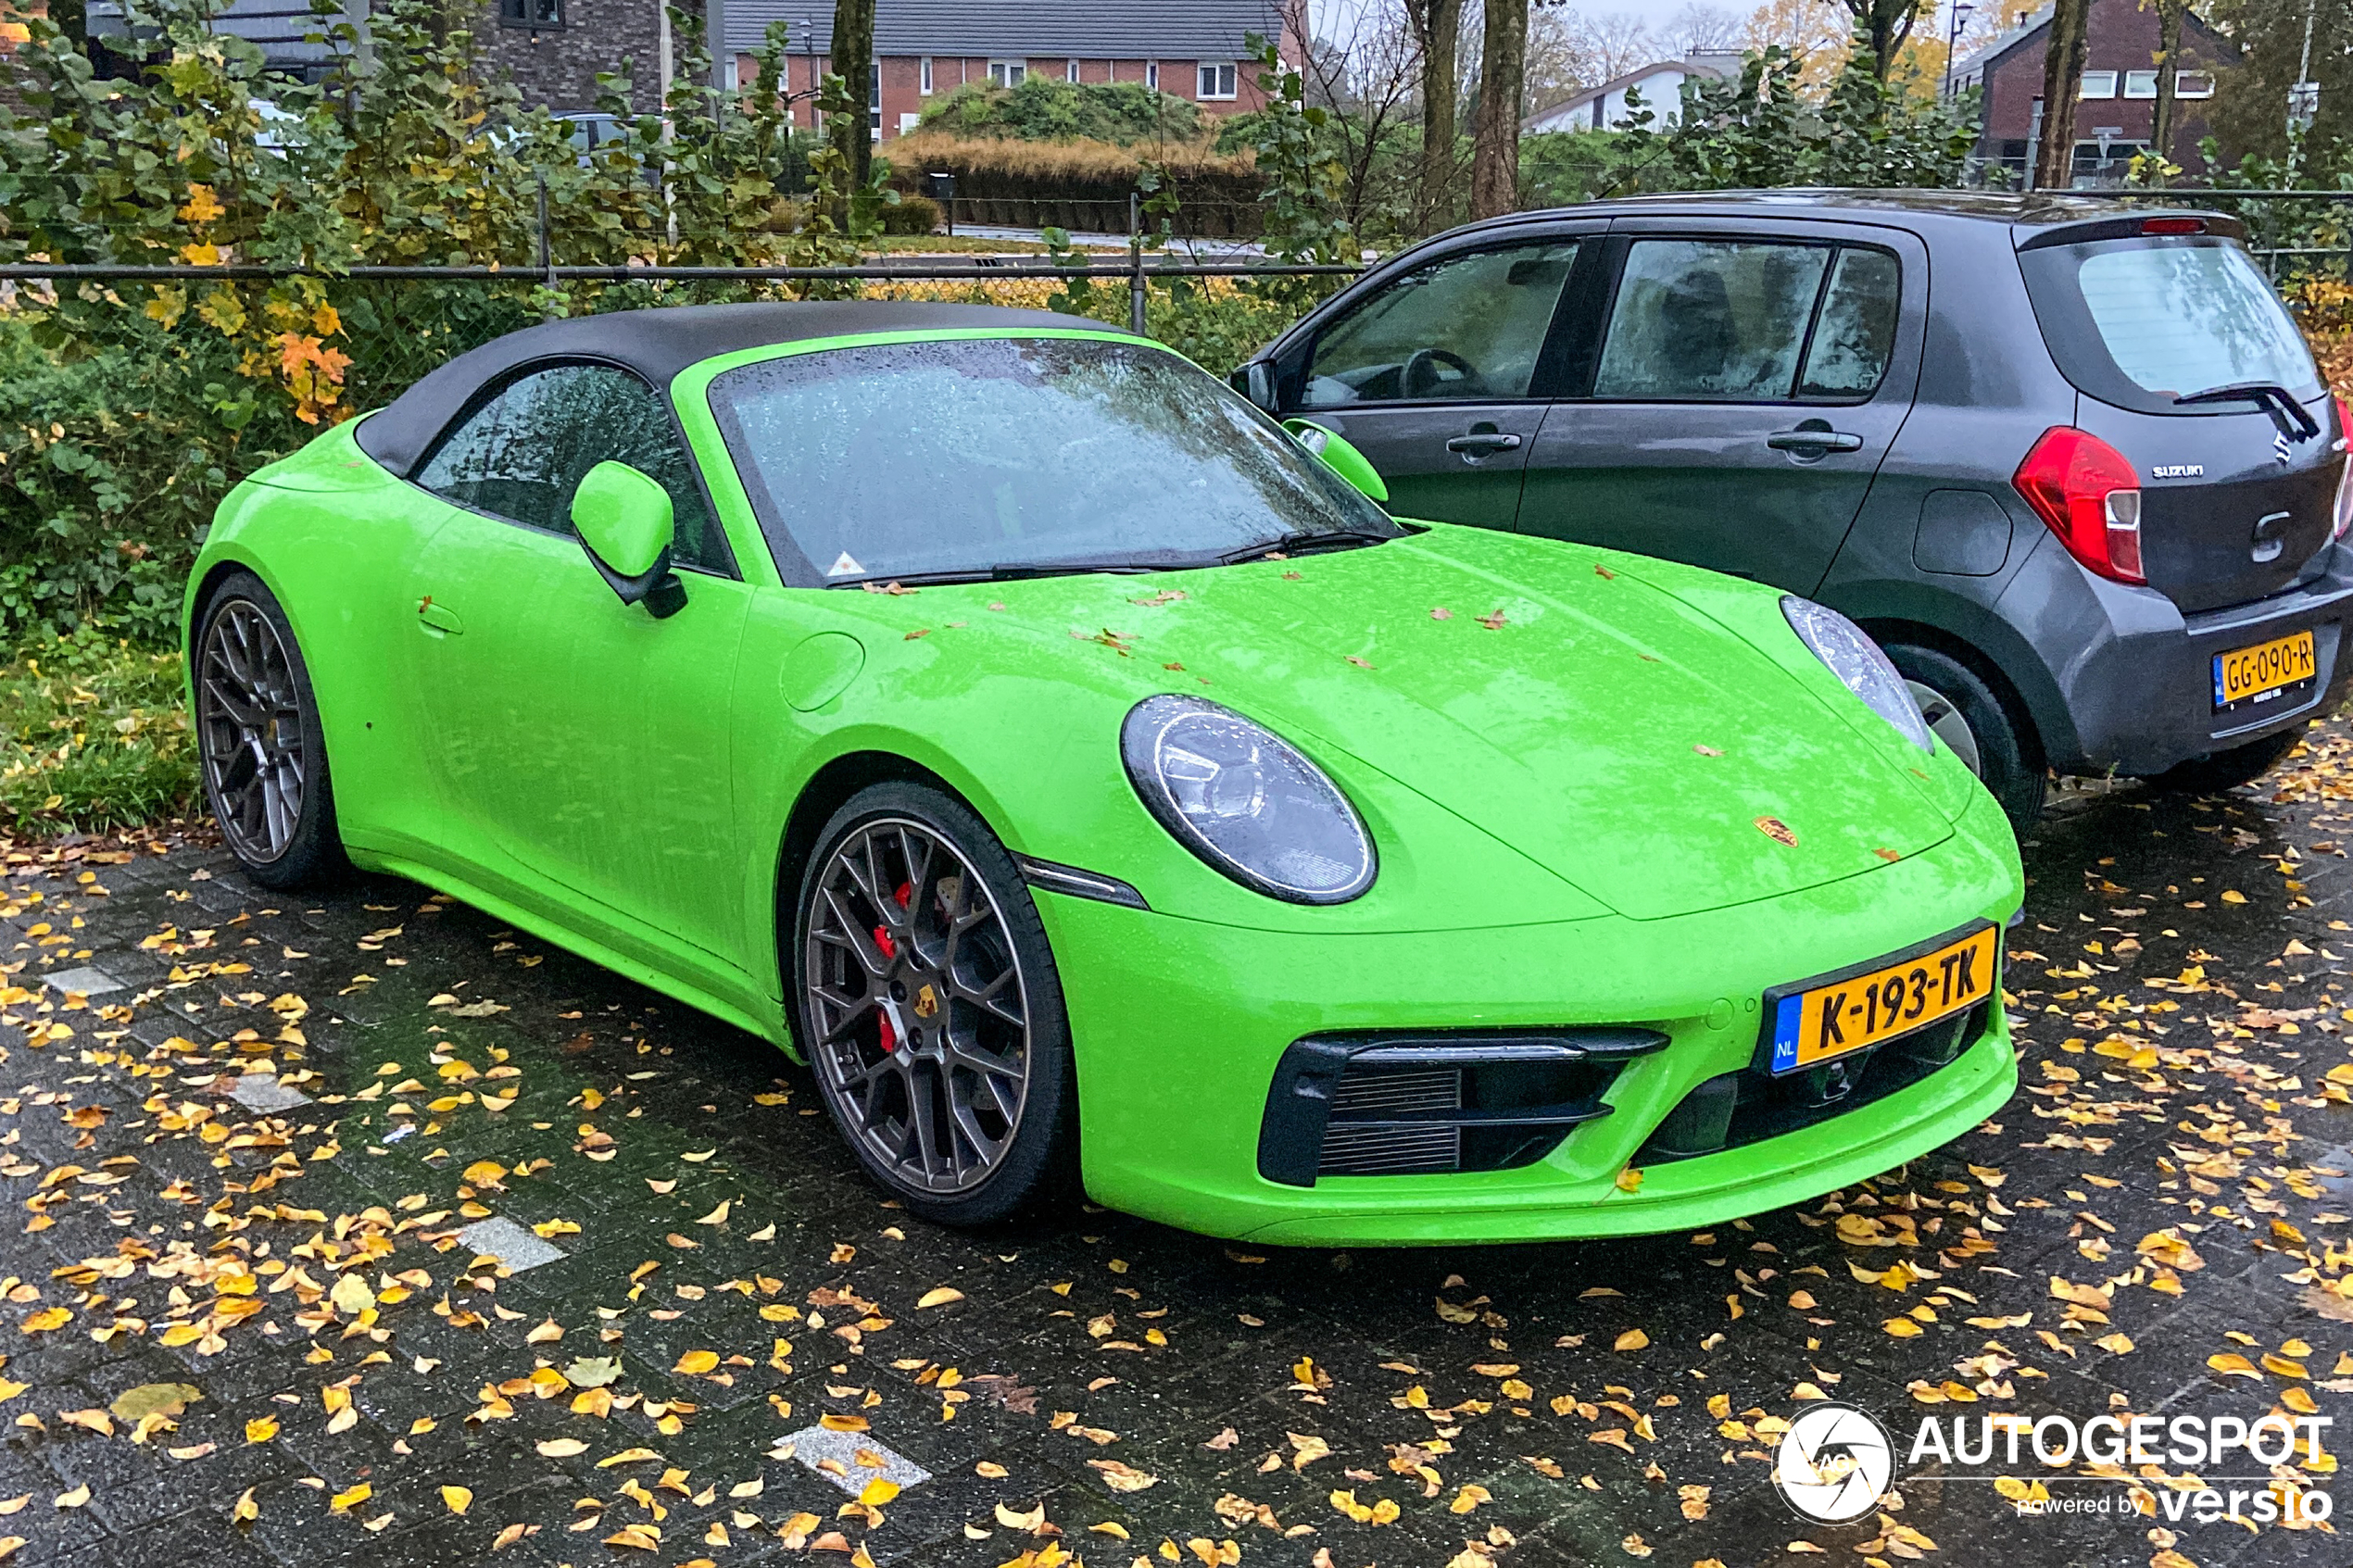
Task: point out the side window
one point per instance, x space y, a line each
1856 329
522 454
1710 320
1469 327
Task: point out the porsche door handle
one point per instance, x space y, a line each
438 617
1480 442
1816 441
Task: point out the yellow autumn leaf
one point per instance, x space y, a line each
2231 1365
561 1447
247 1510
697 1362
1633 1339
261 1429
939 1296
343 1501
482 1174
1903 1328
878 1491
46 1318
1629 1180
457 1498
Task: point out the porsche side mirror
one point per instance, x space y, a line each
1340 456
624 523
1257 380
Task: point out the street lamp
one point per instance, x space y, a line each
1952 41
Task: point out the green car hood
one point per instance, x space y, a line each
1600 726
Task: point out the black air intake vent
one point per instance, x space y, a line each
1436 1101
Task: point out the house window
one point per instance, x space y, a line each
2140 84
1007 73
1216 81
923 73
1151 75
532 13
2098 84
2193 84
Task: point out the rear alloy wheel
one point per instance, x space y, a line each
264 756
2227 770
1970 720
930 1009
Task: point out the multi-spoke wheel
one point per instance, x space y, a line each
929 1007
263 757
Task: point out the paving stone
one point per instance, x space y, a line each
262 1091
84 981
509 1243
813 1446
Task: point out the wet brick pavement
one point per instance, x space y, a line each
716 1308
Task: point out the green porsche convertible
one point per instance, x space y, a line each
1093 785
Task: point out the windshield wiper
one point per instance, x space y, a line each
1308 542
1009 572
2295 421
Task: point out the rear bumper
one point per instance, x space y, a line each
2139 689
1179 1027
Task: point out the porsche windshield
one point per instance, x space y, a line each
1009 456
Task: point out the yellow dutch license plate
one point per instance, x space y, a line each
1814 1020
2244 677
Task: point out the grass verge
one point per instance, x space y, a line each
94 734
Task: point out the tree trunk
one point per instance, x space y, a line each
1437 25
853 61
2169 50
2062 78
1503 64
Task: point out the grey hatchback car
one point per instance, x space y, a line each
2069 461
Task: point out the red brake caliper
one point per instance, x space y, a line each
891 950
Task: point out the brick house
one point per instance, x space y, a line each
925 49
2114 112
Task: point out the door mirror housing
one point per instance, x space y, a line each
623 520
1339 456
1258 383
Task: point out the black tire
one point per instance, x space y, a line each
860 1009
1971 719
2220 771
261 749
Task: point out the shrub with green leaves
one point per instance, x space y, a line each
1040 109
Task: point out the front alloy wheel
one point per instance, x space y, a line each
251 719
262 751
931 1029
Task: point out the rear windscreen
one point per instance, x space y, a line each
2140 322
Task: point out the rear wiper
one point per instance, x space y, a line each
2295 421
1307 542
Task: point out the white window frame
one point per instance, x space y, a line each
1008 73
1151 75
2140 83
922 71
908 120
2097 84
873 103
2205 79
1210 75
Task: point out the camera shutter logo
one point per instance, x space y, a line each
1833 1463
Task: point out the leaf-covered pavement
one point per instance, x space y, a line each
244 1329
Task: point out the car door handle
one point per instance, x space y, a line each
438 617
1814 441
1482 442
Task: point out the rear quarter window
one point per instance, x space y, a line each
2139 322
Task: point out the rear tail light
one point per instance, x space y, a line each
2172 225
2090 496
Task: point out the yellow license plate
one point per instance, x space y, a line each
2259 673
1816 1020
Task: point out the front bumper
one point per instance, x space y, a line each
2140 689
1179 1026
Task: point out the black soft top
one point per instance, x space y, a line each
657 344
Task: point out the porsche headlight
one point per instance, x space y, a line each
1246 801
1849 653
